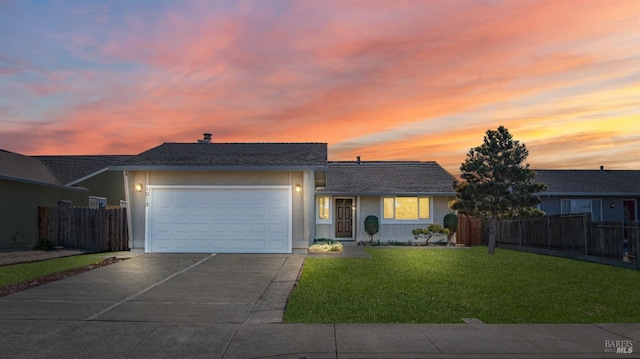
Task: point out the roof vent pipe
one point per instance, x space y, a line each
601 168
207 138
358 160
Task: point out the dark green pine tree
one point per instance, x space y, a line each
496 183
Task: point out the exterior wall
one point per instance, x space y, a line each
552 206
107 184
302 232
19 204
371 205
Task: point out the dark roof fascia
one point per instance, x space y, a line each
319 191
218 168
44 184
590 194
76 181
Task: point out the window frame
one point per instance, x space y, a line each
384 219
563 207
97 202
327 200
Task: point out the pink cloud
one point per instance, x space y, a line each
334 72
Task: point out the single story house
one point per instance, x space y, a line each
403 195
608 195
271 197
27 183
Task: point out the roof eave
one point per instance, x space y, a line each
76 181
388 193
592 194
44 184
217 168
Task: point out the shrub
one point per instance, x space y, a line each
451 223
429 231
324 241
371 226
44 245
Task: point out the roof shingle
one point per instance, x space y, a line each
68 169
590 181
20 167
213 155
387 177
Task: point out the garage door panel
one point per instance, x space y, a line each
220 220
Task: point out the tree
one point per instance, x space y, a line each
371 226
495 182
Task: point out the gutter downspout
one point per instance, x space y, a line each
127 197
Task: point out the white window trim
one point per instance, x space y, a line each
320 220
406 221
97 202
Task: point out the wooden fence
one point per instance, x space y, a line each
89 229
572 236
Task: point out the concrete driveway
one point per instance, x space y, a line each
153 305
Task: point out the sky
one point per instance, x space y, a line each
384 80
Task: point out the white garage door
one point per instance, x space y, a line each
219 219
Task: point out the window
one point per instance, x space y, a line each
406 208
322 209
593 206
97 202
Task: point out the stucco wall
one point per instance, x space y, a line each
108 184
19 204
302 233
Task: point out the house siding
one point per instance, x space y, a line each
302 231
107 184
19 204
552 206
371 205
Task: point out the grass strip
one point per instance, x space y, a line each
407 285
22 272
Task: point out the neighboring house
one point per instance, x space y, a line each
609 195
91 172
27 183
272 197
403 195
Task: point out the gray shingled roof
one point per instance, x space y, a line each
387 177
69 169
590 181
25 169
194 156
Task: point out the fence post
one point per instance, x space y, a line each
585 235
637 249
520 231
549 233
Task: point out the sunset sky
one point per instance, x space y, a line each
385 80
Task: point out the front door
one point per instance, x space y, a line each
629 215
344 220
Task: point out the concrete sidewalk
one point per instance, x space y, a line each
230 306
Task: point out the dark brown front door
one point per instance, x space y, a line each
343 218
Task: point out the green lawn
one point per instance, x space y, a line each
408 285
16 273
